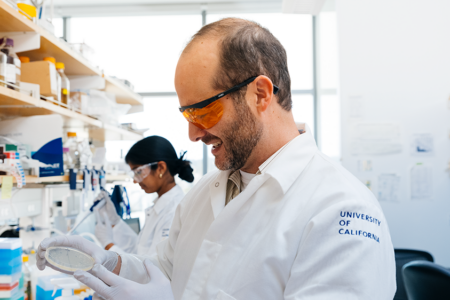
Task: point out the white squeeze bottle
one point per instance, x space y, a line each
68 285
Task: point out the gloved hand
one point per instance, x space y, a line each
112 287
108 259
103 228
108 208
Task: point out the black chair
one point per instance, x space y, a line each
402 257
426 281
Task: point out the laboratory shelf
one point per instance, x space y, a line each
60 179
75 64
123 94
13 103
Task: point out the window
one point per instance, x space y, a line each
144 50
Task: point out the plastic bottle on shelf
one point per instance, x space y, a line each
58 79
65 83
13 63
27 273
24 59
72 157
27 9
3 66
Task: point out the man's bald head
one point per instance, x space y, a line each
245 49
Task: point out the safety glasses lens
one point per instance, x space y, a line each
140 173
205 117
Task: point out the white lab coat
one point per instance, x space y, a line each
158 219
303 229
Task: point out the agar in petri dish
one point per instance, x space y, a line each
69 259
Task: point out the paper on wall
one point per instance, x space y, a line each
422 144
356 106
388 187
421 182
364 165
377 138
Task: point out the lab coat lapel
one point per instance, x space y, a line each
220 230
236 210
217 192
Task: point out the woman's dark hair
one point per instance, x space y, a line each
156 148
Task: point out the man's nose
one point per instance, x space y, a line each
195 133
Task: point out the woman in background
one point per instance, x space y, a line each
154 163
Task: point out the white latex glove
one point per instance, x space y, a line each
108 208
112 287
108 259
103 228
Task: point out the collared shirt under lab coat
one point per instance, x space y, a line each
158 219
304 229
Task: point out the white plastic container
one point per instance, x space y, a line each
68 285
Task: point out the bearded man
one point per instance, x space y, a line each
278 220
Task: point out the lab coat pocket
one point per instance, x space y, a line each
224 296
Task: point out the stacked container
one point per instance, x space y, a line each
11 286
44 289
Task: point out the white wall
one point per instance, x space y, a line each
395 61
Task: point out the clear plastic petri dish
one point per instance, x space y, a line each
69 260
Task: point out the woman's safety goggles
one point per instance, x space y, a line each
207 113
141 172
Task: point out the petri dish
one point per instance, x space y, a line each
69 259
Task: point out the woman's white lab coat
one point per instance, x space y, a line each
304 229
158 219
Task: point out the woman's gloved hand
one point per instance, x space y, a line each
108 208
103 228
112 287
107 259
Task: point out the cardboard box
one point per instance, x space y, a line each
42 73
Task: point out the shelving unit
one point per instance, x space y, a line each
12 21
61 179
123 94
14 103
18 104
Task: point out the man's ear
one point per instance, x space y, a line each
264 93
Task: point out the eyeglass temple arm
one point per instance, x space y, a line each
217 97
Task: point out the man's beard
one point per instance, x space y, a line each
241 137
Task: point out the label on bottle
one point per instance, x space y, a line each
64 91
18 72
11 73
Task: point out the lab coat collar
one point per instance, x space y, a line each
165 199
293 159
284 167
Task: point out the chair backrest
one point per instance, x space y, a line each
402 257
426 280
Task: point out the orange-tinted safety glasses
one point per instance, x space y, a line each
207 113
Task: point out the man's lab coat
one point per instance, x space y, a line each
304 229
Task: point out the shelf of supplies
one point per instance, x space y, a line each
13 103
65 178
123 94
75 63
11 20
